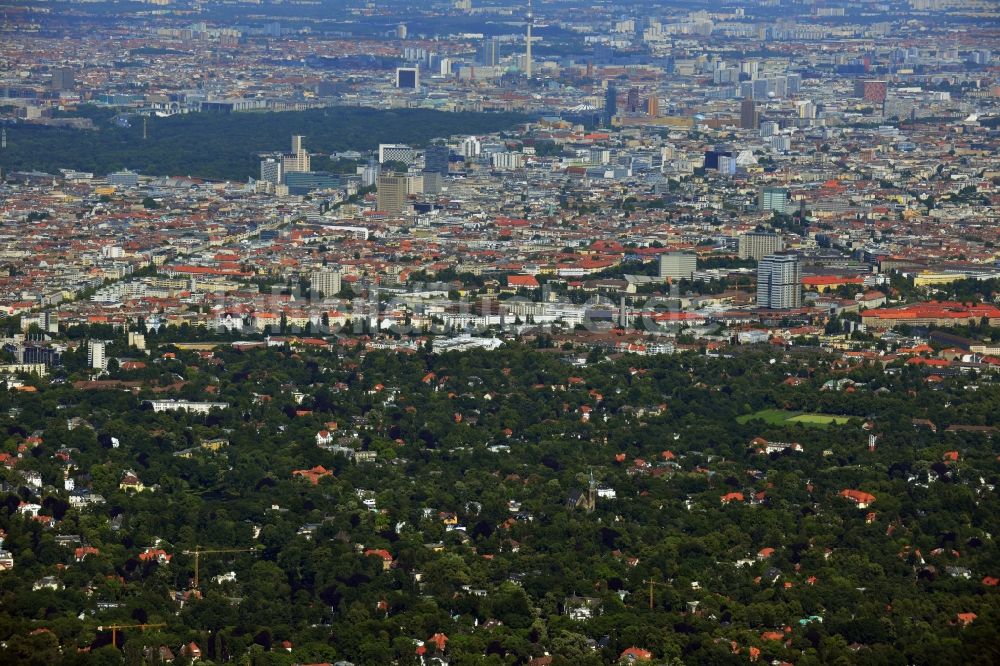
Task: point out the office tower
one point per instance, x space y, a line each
433 182
324 284
727 165
436 159
123 178
870 90
370 173
677 265
632 100
610 105
396 152
772 199
305 182
471 147
758 244
298 160
408 78
653 106
779 282
391 193
527 42
712 158
489 52
748 114
63 78
769 128
270 171
401 31
96 357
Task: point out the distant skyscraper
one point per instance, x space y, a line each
779 282
471 147
653 106
123 178
408 77
96 357
489 52
677 265
401 31
773 199
326 283
63 78
436 159
270 171
396 152
758 244
391 193
610 105
298 160
748 114
632 101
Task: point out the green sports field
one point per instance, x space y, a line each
780 416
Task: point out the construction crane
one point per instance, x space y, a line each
651 583
199 551
113 628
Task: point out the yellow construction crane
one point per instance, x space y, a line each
199 551
113 628
651 583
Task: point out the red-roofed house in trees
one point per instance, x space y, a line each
635 654
860 498
385 555
313 475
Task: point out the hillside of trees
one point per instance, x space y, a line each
225 146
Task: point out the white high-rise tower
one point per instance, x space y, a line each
527 53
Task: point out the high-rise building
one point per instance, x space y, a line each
632 100
96 357
436 159
779 282
610 104
325 284
63 78
298 160
408 77
489 52
653 106
758 244
391 193
772 199
123 178
271 171
748 114
401 31
396 152
471 147
769 128
677 265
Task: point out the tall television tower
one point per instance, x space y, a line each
527 54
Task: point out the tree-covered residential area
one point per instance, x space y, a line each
518 506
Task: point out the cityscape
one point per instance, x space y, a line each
485 332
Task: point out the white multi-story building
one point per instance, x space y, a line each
779 282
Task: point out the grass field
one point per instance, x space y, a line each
781 416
